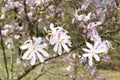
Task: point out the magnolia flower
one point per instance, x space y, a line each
4 32
35 50
93 35
92 32
107 45
85 5
62 41
58 36
54 33
16 36
82 17
93 51
92 25
9 43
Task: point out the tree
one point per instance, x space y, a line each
44 32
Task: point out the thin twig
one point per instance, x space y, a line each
4 55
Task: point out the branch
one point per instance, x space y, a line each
23 74
4 55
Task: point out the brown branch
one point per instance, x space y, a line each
23 74
4 55
111 32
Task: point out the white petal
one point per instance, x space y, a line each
44 53
90 60
33 60
96 44
85 50
85 55
66 47
25 54
37 40
97 58
89 45
51 26
24 47
100 51
40 57
41 46
29 41
30 55
59 49
56 47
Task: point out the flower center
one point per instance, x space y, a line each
60 41
34 48
93 52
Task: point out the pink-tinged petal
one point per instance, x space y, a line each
89 45
90 60
92 25
53 40
85 50
44 53
56 47
25 55
40 57
33 60
59 49
66 47
97 58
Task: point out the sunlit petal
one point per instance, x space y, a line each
25 54
65 47
97 58
33 60
56 47
85 50
90 60
59 49
44 53
40 57
89 45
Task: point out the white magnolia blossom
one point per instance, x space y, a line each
93 51
58 37
62 41
54 33
35 50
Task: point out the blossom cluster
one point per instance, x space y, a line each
58 37
90 28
